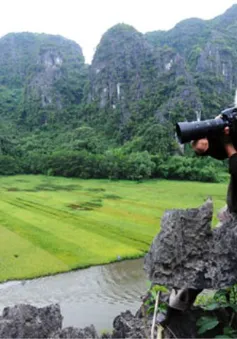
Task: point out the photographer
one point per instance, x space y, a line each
221 148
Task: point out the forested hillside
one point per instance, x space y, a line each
114 118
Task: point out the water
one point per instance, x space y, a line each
91 296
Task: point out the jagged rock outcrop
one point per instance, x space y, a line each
126 325
187 253
26 321
72 332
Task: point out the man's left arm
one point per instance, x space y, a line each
232 155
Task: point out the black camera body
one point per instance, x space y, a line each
188 131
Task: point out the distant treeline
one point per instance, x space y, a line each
113 164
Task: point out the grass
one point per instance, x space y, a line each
51 224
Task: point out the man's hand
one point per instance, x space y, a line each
200 146
227 130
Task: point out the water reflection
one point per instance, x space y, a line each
94 295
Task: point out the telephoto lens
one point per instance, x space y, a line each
187 131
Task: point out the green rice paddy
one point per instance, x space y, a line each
52 224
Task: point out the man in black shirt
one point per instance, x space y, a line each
219 148
222 148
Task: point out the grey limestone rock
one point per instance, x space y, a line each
126 325
26 321
188 253
72 332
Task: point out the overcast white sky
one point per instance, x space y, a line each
85 21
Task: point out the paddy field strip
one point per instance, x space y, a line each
51 224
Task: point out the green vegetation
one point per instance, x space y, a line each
225 301
116 117
218 319
81 153
54 224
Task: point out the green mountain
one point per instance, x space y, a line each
187 69
41 77
125 103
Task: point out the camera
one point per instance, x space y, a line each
188 131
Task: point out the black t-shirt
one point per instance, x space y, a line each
216 149
232 189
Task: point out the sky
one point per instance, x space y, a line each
85 21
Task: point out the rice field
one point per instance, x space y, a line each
51 224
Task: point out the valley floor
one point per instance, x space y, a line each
53 224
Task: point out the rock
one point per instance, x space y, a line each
187 253
126 325
71 332
25 321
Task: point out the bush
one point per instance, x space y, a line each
9 165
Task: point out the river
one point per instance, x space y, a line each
90 296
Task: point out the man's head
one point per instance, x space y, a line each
200 146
